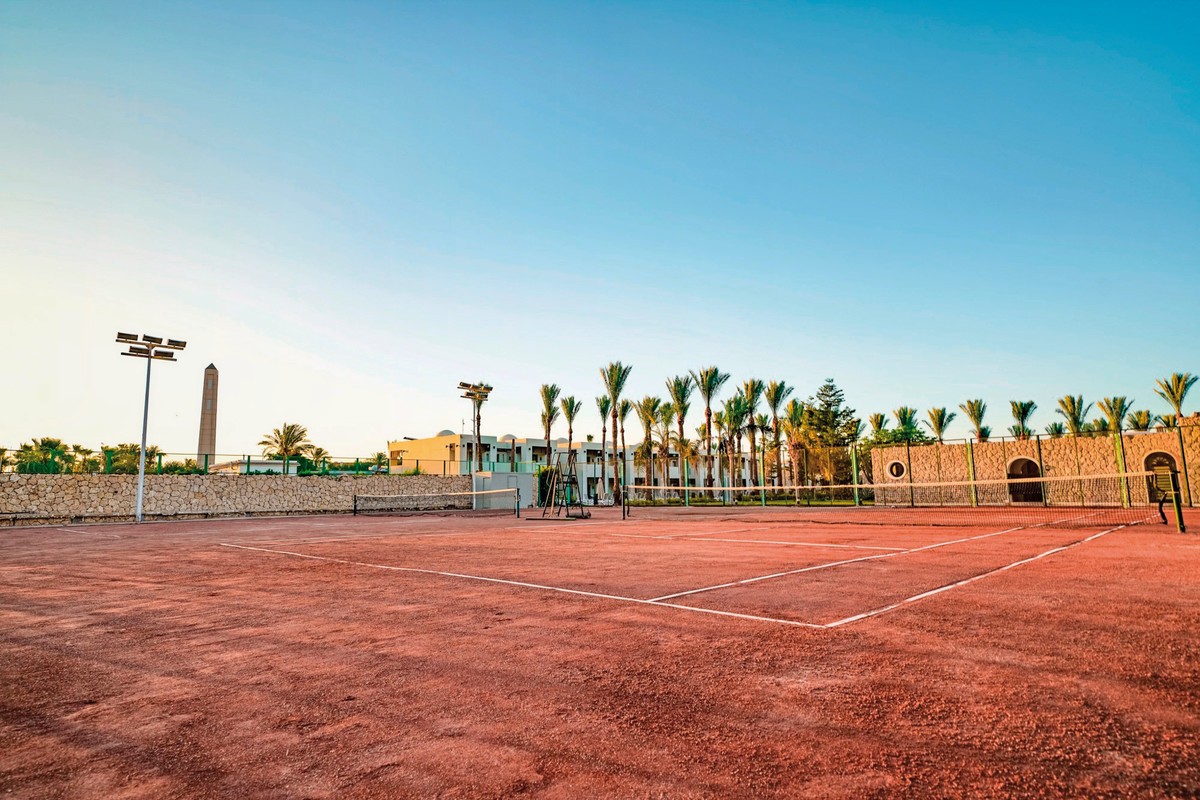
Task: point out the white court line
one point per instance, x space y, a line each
828 566
526 585
892 607
792 544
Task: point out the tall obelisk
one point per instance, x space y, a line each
208 420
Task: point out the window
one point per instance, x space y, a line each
896 469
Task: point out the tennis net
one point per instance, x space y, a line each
491 501
1075 501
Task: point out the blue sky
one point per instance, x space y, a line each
351 207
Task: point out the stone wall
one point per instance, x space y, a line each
1062 457
33 499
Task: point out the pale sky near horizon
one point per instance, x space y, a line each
350 207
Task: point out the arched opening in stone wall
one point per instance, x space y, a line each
1024 492
1162 465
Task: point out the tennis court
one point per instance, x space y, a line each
680 652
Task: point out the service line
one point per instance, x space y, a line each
523 584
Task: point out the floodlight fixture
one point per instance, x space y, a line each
152 349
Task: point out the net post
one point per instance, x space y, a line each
686 494
762 474
854 472
518 502
912 497
1119 451
1187 488
1177 502
973 492
355 512
1042 471
624 503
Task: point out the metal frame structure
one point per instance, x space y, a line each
151 348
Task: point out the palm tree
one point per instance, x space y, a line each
878 423
906 419
709 381
286 442
379 461
752 389
775 395
615 375
1169 421
1115 409
647 414
680 389
1140 420
604 405
939 420
795 416
735 411
1075 413
318 455
1099 425
1022 410
549 394
975 409
666 419
1175 389
83 456
570 409
1056 430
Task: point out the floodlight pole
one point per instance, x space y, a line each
149 348
142 454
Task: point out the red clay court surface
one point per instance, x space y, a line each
705 656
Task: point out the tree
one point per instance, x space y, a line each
82 456
906 419
647 414
318 456
1022 410
5 461
549 393
286 442
1056 430
615 375
1099 425
680 389
1140 420
735 413
1114 409
379 461
775 395
570 409
47 454
794 426
832 421
879 423
939 420
604 405
1073 410
124 457
975 409
666 420
752 390
1169 421
709 381
1175 388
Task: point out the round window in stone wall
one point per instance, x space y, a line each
896 469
